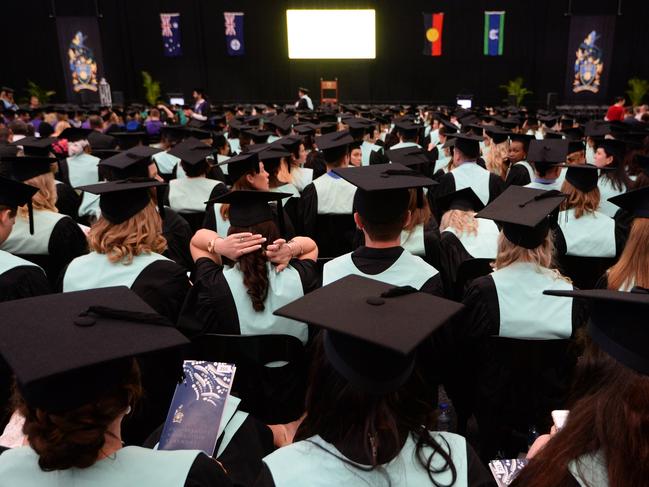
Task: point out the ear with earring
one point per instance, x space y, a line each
128 410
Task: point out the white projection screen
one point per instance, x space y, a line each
331 34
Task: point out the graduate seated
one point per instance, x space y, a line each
46 237
247 173
188 195
19 278
326 204
300 176
72 401
613 180
604 436
511 327
80 167
633 266
137 163
587 241
381 205
521 172
365 422
467 173
266 272
463 236
409 134
547 157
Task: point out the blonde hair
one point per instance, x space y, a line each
632 269
510 253
60 127
581 201
495 158
418 216
46 197
460 220
140 234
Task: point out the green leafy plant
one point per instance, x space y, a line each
38 91
638 89
514 87
151 88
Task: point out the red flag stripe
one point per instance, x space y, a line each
438 21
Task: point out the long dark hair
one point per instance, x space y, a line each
609 414
347 417
618 176
253 265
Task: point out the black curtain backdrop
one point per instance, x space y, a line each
536 42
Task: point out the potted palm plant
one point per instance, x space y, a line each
515 89
637 91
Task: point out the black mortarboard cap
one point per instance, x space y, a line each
249 207
497 134
373 329
597 128
465 199
122 199
28 167
468 144
584 177
382 194
524 214
269 152
574 133
241 164
104 154
618 323
548 151
191 150
408 156
408 128
524 139
334 144
635 202
305 129
14 194
549 120
66 349
34 146
73 134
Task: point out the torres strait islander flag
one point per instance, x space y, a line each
433 29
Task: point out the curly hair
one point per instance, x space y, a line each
142 233
74 438
254 265
46 197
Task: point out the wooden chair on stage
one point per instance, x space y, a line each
330 89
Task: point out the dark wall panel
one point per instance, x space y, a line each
536 37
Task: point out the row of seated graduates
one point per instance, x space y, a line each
341 140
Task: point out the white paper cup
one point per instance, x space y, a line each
560 416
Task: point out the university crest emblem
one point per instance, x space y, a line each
82 63
588 65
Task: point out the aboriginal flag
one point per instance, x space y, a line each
433 30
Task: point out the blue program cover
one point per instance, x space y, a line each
197 407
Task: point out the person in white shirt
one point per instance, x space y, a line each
304 103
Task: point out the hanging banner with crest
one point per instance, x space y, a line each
590 54
80 48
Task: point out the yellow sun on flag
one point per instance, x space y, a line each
432 34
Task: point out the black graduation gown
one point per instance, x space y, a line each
484 373
178 234
242 458
23 281
210 308
518 176
67 241
67 200
334 233
477 473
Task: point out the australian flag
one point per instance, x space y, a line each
234 33
171 34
